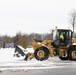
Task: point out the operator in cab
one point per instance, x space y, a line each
61 38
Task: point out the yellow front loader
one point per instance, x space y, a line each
64 50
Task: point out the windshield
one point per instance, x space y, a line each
55 35
62 37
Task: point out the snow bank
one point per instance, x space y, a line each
29 50
7 54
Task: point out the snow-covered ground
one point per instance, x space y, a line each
7 54
9 62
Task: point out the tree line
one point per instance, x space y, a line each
24 40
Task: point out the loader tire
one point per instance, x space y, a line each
72 54
41 53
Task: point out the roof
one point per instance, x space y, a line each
65 29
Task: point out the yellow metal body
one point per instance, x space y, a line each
47 43
74 40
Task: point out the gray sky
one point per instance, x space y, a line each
38 16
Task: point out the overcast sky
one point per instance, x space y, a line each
38 16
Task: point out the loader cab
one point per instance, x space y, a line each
67 37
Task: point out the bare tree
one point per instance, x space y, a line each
73 19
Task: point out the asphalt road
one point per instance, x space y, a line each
33 67
54 71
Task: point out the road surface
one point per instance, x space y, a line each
52 66
55 71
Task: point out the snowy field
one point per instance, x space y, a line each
10 63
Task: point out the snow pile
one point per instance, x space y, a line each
29 50
7 54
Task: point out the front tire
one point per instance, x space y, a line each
41 53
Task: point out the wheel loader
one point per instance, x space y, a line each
65 50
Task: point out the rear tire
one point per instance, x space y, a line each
72 54
44 51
